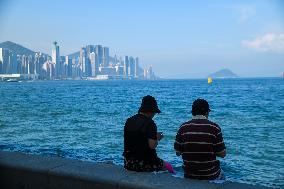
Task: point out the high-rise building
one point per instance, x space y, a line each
4 61
68 62
56 59
114 60
82 60
131 68
136 72
90 49
62 67
99 53
126 65
94 64
105 56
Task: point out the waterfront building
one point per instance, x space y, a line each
126 65
105 57
5 61
99 53
119 70
94 64
48 70
136 71
68 62
56 59
62 74
90 49
83 60
145 73
40 59
111 71
131 68
115 61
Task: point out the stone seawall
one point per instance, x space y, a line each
26 171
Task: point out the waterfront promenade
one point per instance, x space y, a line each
19 170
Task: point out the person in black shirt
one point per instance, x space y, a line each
141 139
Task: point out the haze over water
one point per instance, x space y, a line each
85 119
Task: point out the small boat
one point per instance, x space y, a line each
12 80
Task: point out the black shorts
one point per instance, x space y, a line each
141 166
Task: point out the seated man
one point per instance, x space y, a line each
141 139
199 141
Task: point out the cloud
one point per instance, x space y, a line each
270 42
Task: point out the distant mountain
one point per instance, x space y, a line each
224 73
17 49
74 55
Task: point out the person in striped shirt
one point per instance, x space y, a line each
199 141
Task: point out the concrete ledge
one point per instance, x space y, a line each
19 170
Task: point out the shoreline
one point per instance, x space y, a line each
20 170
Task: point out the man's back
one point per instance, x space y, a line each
137 130
198 141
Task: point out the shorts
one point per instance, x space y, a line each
141 166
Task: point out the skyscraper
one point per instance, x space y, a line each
68 62
83 61
4 61
99 53
56 59
94 64
126 65
131 68
105 56
136 72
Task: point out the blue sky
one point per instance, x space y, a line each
180 39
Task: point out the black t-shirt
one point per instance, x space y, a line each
137 130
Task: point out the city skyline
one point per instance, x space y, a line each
91 62
184 39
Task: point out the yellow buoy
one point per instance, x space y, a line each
209 80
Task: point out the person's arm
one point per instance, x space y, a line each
154 143
219 146
221 154
152 135
178 144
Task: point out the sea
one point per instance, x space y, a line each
85 119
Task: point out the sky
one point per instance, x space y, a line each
179 38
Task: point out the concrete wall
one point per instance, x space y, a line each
19 170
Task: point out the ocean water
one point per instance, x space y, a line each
85 119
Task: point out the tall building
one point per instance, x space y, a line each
126 65
99 53
105 56
68 62
94 64
131 68
82 60
4 61
90 49
62 67
136 72
115 60
56 59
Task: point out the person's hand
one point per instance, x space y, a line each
160 135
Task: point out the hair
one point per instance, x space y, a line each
199 112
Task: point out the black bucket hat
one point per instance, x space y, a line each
200 105
149 104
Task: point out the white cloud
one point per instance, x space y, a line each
270 42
